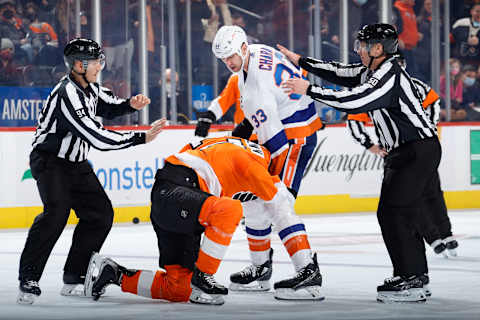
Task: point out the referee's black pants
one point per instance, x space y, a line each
436 224
409 176
63 186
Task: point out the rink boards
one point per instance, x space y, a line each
341 177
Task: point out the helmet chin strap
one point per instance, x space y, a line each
85 66
372 58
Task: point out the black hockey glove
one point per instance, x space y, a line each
205 120
243 130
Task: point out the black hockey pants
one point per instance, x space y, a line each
63 186
409 176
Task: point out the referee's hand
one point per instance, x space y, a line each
156 128
376 149
139 101
292 56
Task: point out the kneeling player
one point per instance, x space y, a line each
191 195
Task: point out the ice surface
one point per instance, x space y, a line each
351 254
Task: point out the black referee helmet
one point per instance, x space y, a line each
82 50
379 33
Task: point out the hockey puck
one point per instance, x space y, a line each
135 220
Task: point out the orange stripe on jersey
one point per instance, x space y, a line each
303 131
297 243
362 117
291 162
431 97
206 263
130 284
258 245
277 163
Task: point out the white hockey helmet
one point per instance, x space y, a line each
228 41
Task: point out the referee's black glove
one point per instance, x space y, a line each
205 120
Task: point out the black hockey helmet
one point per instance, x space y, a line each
378 33
82 50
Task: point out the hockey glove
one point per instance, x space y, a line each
243 130
205 120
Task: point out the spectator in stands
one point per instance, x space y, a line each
44 39
9 76
465 34
201 59
457 113
239 20
12 27
471 93
117 41
405 21
424 47
154 110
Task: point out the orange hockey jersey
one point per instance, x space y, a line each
229 166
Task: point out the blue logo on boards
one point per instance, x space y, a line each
137 176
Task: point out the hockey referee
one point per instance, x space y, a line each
66 130
380 87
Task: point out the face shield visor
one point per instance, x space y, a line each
100 61
359 45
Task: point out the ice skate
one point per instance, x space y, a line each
103 271
28 292
305 285
426 284
439 248
253 278
400 289
206 290
451 245
73 285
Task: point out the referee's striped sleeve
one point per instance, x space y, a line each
347 75
82 124
359 133
374 94
110 106
430 100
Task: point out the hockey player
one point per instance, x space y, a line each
285 124
436 227
192 195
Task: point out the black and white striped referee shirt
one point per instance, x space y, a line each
387 94
430 103
67 125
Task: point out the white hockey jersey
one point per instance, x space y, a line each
275 115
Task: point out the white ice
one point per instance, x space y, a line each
351 254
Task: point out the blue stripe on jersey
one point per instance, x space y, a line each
259 233
295 228
276 142
303 159
301 115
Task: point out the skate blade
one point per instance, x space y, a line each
73 290
256 286
426 289
410 295
200 297
305 293
92 272
26 298
452 252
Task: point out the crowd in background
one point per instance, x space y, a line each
33 34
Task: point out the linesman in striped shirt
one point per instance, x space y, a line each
380 87
437 228
66 130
